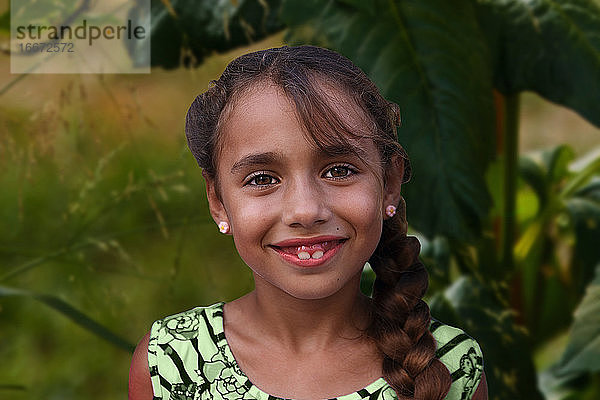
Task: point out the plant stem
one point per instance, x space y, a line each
511 159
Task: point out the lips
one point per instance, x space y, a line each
309 251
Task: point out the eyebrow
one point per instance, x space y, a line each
341 150
252 160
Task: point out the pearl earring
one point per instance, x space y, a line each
223 227
390 211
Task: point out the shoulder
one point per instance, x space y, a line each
462 355
169 339
187 324
451 340
140 385
178 344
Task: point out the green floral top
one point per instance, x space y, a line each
189 359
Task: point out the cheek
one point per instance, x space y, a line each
249 220
363 210
245 212
364 205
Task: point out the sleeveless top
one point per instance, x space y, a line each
189 359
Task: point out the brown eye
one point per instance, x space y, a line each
262 180
339 171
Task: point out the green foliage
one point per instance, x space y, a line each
550 47
554 255
185 32
478 310
77 316
575 376
581 354
101 214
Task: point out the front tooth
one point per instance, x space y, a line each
304 255
317 254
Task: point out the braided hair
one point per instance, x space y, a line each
400 318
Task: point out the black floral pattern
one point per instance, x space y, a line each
182 391
183 326
220 375
472 366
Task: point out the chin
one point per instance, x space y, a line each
313 293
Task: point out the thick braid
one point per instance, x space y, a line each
401 318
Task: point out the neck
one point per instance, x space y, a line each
306 325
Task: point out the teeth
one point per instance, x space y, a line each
317 254
304 255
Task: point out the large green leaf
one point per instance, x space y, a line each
583 351
569 387
547 46
431 59
506 348
72 313
186 31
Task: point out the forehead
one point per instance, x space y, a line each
265 115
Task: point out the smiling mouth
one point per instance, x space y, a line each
314 251
308 252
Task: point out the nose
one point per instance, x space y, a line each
305 204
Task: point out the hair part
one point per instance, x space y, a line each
305 74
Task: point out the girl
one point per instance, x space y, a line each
299 153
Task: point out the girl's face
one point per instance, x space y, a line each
304 221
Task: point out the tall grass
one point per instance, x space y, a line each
104 220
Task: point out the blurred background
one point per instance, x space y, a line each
104 228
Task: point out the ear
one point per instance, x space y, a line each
393 183
215 205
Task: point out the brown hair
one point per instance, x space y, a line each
400 323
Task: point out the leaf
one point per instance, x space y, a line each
543 169
583 350
535 176
73 314
547 46
431 59
557 162
567 387
436 256
584 169
476 309
187 31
